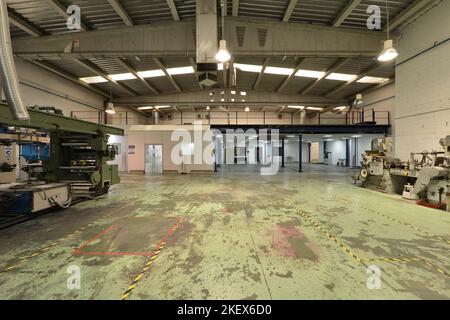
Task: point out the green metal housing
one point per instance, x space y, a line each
79 149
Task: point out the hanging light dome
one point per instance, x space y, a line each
247 109
110 108
223 55
389 52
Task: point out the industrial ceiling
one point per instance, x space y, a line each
40 18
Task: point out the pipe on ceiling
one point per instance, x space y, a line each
8 73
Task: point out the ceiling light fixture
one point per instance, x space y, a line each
358 100
92 80
223 55
180 70
110 108
162 107
279 71
122 76
315 108
389 52
151 73
310 74
296 107
208 108
247 109
341 76
248 67
145 108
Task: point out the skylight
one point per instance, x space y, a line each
122 76
310 74
181 70
248 67
279 71
372 80
95 79
341 76
151 73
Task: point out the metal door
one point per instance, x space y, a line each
153 159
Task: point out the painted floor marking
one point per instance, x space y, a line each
46 248
362 260
155 254
447 241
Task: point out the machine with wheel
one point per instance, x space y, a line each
65 159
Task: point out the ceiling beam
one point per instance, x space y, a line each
351 5
93 68
366 72
235 8
290 8
119 9
66 75
173 10
24 24
126 65
164 69
289 78
408 13
175 40
334 68
261 74
62 11
196 74
253 98
372 88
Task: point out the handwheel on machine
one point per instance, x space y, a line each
364 173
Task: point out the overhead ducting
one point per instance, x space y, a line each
8 73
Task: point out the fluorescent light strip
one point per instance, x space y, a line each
372 80
145 108
315 108
151 73
310 74
296 107
341 76
122 76
248 67
181 70
92 80
279 71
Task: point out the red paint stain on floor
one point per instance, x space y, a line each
291 242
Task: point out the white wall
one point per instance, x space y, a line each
291 150
139 136
43 88
381 101
337 149
423 84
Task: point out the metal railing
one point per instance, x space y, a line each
241 118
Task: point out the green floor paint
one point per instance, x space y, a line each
245 236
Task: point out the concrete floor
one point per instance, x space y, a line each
233 235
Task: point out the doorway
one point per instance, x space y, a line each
153 159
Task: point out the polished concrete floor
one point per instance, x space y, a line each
232 235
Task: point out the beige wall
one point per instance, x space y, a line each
139 136
422 114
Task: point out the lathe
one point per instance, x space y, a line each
425 177
64 160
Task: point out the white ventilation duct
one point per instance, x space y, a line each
8 73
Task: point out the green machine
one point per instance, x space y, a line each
79 150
